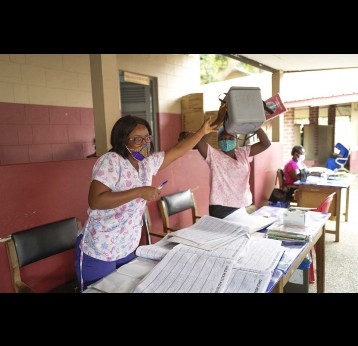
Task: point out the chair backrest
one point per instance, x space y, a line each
37 243
343 151
342 161
280 178
148 227
176 203
324 206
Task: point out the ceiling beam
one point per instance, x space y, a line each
251 62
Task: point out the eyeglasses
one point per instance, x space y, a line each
139 140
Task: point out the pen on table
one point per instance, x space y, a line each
162 184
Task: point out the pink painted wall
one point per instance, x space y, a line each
169 129
35 194
353 161
36 133
38 193
263 173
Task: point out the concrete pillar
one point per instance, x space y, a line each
313 117
354 122
106 98
278 122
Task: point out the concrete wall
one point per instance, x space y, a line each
46 108
39 193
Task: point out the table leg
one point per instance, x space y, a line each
338 213
347 203
279 287
320 262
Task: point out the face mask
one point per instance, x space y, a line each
227 145
301 158
140 153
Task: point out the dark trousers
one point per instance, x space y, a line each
220 211
94 269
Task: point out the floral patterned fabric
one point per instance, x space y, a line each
112 234
229 178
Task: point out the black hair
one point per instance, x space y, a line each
121 130
297 149
184 134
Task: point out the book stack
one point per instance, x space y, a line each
292 233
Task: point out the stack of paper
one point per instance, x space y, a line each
188 270
251 223
245 265
289 232
155 251
208 233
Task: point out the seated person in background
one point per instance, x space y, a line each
331 161
295 169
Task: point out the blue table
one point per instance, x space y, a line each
287 266
312 192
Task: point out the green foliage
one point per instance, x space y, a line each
211 65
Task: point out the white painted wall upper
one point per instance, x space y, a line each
46 79
178 75
65 79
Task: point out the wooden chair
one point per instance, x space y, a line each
322 208
342 161
176 203
280 180
37 243
148 226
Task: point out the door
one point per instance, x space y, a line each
140 99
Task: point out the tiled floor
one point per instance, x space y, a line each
342 258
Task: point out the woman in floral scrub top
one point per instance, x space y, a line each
120 187
229 169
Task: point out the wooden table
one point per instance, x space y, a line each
312 193
318 221
318 239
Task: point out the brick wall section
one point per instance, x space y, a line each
313 117
332 115
38 133
289 138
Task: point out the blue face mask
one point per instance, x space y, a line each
141 153
227 145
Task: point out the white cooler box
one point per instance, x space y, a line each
245 110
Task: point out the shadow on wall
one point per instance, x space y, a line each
37 133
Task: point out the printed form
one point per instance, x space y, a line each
208 233
183 270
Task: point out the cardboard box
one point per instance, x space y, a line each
213 139
299 281
296 217
192 103
192 121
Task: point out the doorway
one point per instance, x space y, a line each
139 97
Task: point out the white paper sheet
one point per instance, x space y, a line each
187 272
155 251
126 278
208 233
251 223
243 281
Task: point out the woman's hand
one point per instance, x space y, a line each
149 193
222 113
207 128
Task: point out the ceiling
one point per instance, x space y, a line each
299 62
